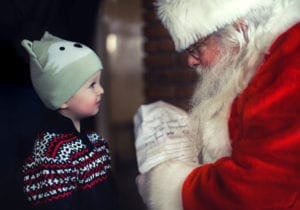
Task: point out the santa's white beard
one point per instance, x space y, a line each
218 86
221 83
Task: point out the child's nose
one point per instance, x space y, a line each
100 90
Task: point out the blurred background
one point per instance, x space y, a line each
140 66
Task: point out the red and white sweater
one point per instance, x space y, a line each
67 169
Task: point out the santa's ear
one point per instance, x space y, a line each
64 106
241 26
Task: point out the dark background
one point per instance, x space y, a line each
20 108
69 19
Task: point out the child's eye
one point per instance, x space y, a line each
92 84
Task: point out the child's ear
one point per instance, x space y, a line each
64 106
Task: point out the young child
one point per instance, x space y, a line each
68 167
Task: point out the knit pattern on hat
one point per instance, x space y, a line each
59 68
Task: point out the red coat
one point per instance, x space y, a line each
264 169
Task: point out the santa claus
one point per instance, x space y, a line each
246 108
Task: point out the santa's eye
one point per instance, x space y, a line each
62 48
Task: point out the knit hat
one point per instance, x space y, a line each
189 20
59 68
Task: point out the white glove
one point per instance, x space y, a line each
161 187
162 134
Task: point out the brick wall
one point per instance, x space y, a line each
167 76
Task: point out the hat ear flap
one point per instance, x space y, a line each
28 47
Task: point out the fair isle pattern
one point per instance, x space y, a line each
61 164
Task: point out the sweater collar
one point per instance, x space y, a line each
58 122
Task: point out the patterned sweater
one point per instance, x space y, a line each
68 170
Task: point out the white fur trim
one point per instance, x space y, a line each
188 20
162 187
215 140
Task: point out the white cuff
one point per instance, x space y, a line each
161 188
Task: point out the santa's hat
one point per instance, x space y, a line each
189 20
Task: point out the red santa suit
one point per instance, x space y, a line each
263 171
262 168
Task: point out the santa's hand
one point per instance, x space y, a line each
142 187
160 188
161 131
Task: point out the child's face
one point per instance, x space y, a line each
87 99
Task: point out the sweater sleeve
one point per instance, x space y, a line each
263 171
93 167
49 176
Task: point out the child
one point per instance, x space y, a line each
68 166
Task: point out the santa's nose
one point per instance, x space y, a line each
192 61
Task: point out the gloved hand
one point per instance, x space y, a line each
162 134
160 188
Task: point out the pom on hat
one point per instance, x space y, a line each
59 68
189 20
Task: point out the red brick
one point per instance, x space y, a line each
159 60
159 45
175 91
182 60
167 76
148 4
156 30
182 76
150 17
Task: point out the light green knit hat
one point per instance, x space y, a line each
59 68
